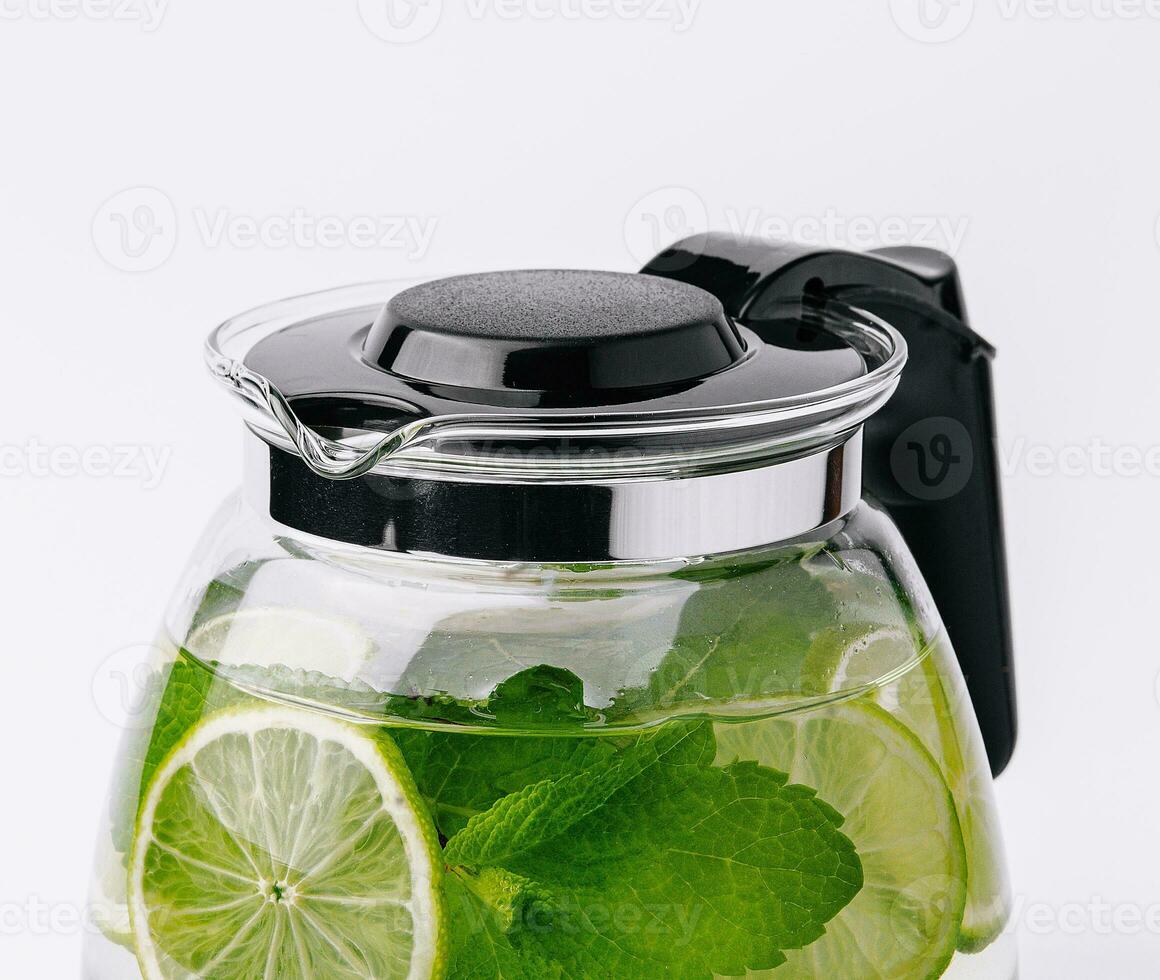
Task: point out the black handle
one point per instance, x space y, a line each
930 453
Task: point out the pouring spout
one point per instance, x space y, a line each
327 457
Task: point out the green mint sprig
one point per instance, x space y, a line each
644 862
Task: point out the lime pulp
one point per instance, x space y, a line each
277 843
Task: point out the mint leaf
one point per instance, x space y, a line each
187 683
654 863
540 697
462 775
184 701
480 915
690 872
741 635
608 641
548 808
179 699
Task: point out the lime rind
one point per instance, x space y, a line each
852 658
987 929
901 816
265 636
942 721
421 912
110 916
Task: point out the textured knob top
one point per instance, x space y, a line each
560 332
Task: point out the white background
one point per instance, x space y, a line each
1027 132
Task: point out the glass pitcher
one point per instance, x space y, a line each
550 636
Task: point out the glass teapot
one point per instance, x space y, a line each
550 635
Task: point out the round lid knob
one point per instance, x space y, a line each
574 336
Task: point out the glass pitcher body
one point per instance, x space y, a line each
708 766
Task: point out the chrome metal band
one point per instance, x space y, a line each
560 522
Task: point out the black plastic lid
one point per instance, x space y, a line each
546 340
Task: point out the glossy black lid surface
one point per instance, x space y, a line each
548 340
564 331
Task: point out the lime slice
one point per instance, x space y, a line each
107 896
268 636
275 842
846 658
933 700
900 816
